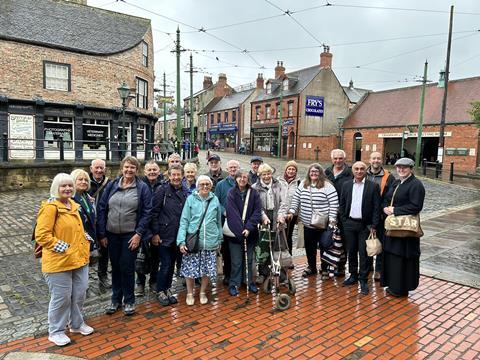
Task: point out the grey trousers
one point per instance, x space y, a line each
67 294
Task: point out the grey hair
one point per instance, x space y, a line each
75 174
95 160
334 151
59 180
203 178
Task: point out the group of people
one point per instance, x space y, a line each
224 210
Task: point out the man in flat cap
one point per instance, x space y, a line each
255 162
215 171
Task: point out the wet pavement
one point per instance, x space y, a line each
450 254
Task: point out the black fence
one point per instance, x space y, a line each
439 171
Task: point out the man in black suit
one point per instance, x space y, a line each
360 212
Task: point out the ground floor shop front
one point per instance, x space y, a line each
265 141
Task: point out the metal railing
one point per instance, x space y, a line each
437 168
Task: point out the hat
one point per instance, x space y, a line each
291 163
213 157
405 162
256 158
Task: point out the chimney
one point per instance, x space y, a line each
222 88
350 84
326 58
279 69
207 82
260 81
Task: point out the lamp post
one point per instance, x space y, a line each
124 92
404 137
340 121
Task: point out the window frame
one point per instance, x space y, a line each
144 56
290 108
69 71
268 111
138 80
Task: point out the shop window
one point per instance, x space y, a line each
56 76
141 93
268 111
290 108
94 134
53 128
141 137
144 54
225 117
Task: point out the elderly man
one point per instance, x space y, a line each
360 213
215 172
98 182
255 162
222 191
173 159
384 179
338 174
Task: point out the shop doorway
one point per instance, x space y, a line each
358 146
291 148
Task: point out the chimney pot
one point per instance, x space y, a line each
326 58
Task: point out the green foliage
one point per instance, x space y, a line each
475 112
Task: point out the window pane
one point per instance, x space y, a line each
56 77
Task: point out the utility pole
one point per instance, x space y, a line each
179 112
279 146
441 137
420 121
192 137
165 127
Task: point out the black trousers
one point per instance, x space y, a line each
103 261
355 235
312 242
227 259
290 227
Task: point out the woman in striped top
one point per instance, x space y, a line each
315 192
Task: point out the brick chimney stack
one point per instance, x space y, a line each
207 82
222 88
260 81
279 69
326 58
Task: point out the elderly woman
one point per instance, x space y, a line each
401 255
290 181
123 219
87 209
244 213
274 211
201 214
65 255
315 192
190 179
167 206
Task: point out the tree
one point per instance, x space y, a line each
475 112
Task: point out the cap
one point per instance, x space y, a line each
405 162
213 157
256 158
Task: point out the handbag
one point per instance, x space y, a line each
192 240
319 220
374 246
142 262
226 230
402 225
326 238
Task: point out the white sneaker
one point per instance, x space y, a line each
84 329
59 339
203 298
190 300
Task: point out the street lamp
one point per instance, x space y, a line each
404 137
124 92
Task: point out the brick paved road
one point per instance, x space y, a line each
440 320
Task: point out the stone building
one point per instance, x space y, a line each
61 64
382 118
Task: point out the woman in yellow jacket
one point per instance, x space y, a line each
65 257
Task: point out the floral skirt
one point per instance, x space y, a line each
203 263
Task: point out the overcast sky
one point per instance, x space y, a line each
373 42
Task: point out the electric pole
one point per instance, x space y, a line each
179 112
165 128
441 137
191 71
420 121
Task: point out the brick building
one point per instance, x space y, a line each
381 119
61 65
312 101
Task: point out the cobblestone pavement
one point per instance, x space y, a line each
440 320
451 250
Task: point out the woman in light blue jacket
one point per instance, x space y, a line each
202 264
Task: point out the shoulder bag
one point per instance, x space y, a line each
192 240
402 225
319 220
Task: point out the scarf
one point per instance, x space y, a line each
289 179
270 205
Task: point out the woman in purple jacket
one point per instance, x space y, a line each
242 228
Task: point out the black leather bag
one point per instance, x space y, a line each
326 238
142 262
192 240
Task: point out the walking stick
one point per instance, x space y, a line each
246 270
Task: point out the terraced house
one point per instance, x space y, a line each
61 64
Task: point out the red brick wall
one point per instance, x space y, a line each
94 79
463 136
273 110
325 143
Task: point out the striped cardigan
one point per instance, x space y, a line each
325 200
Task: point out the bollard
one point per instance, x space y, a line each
451 171
317 151
5 147
437 169
62 148
107 149
424 167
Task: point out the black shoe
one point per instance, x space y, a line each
350 281
253 288
363 288
309 272
103 281
171 299
112 308
163 298
395 294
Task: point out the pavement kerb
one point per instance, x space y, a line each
20 355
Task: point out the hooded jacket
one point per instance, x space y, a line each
211 234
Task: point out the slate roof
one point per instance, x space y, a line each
302 78
70 26
232 101
208 108
400 107
354 94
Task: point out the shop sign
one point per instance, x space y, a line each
414 134
288 122
314 105
21 132
101 115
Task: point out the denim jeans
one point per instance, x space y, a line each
167 255
67 294
123 268
237 258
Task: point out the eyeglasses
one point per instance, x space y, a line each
204 185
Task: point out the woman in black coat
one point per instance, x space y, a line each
401 267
